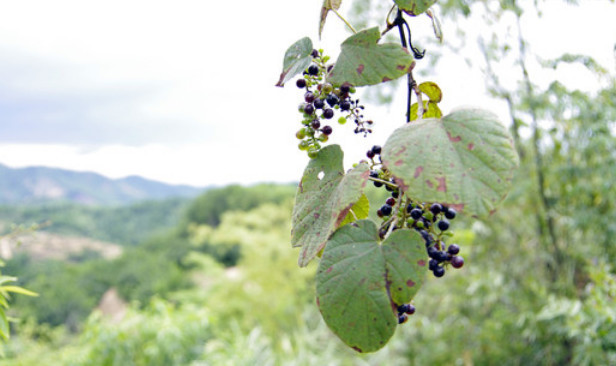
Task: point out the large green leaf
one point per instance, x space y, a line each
327 6
364 62
296 60
360 283
465 160
414 7
324 197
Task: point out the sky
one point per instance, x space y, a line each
183 92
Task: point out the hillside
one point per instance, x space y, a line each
34 185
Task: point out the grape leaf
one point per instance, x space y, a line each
327 6
360 283
430 110
362 61
465 160
360 210
432 90
414 7
324 197
296 60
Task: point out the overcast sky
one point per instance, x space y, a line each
183 91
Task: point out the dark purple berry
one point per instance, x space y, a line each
391 201
376 149
327 130
409 207
378 184
309 109
450 213
443 225
386 209
319 103
436 208
332 100
315 124
416 213
432 264
374 174
313 70
395 194
345 105
411 309
301 83
314 53
345 88
402 318
453 249
328 113
403 308
457 261
370 154
309 97
439 272
433 253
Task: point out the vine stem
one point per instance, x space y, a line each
345 21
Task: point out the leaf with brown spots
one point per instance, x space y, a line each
325 9
466 160
360 283
324 197
362 61
296 60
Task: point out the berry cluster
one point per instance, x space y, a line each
431 221
404 311
321 100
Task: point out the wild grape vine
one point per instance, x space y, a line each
433 166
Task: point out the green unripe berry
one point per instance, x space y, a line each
327 88
342 120
301 134
323 138
312 153
420 224
304 145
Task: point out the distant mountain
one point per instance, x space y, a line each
42 185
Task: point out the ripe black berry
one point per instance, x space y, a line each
436 208
439 272
416 213
370 154
332 100
411 309
345 105
301 83
409 207
386 209
453 249
319 103
450 213
327 130
313 70
457 262
376 149
309 97
345 88
374 174
309 109
378 184
391 201
443 225
315 53
432 264
402 318
328 113
315 124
